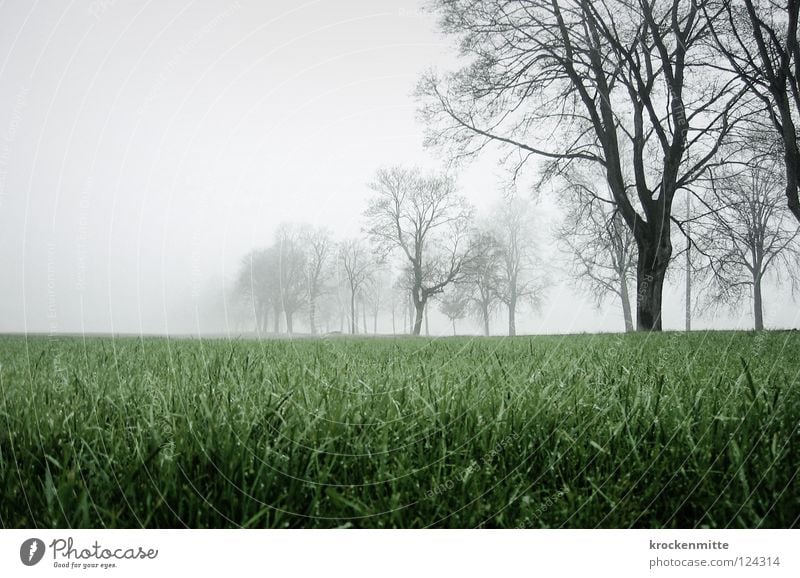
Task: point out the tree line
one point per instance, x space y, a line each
650 119
421 244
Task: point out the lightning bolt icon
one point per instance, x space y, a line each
34 547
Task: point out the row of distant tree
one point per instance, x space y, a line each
421 245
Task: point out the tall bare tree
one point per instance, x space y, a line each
520 276
357 265
750 235
320 250
426 220
290 272
482 276
591 82
759 38
253 287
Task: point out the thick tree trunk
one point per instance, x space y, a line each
411 315
419 309
454 327
650 272
791 155
427 325
758 307
485 313
626 304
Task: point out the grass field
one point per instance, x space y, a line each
670 430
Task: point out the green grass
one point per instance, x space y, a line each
583 431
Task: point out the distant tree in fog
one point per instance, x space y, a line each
482 277
357 264
426 220
379 294
454 304
257 287
751 235
319 250
291 272
521 276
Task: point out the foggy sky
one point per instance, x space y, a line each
146 147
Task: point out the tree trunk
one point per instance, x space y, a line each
758 308
419 308
364 317
289 324
375 324
411 313
394 330
454 327
688 263
353 326
312 316
512 317
650 271
276 322
485 313
626 304
791 155
427 326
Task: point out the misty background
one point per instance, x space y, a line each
145 148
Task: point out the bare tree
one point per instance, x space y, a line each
291 272
426 220
379 294
319 248
520 274
751 235
454 304
759 38
591 82
600 247
357 265
258 287
482 276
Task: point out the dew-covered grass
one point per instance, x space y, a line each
668 430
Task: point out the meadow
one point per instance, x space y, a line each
657 431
